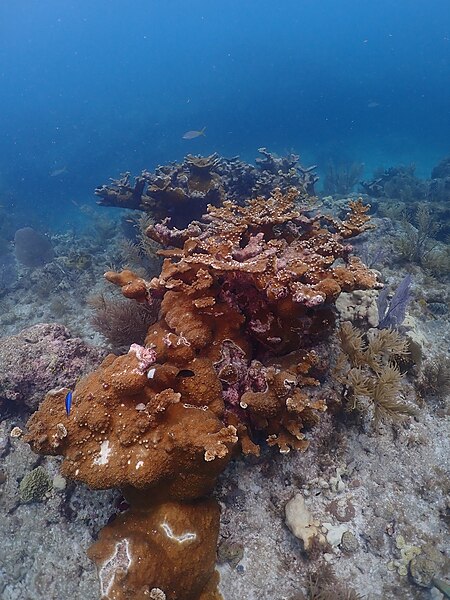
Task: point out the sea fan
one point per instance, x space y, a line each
392 313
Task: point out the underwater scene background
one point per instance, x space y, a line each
224 300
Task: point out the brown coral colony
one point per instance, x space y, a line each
246 294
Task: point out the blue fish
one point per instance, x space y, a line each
68 402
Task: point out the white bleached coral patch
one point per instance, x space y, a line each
187 536
103 455
120 560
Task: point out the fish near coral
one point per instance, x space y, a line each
68 402
164 448
171 438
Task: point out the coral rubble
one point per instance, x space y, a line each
246 298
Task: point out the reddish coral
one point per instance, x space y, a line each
126 428
259 279
245 302
133 287
147 547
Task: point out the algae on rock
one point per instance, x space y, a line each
35 485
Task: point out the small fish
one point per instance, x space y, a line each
195 133
373 104
68 402
58 172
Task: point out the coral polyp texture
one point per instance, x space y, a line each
235 357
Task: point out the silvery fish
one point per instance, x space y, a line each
58 172
190 135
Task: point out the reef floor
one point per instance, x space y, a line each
378 496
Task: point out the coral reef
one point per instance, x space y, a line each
401 196
442 169
48 356
246 298
385 483
418 240
439 186
182 191
56 291
420 223
398 182
179 190
283 173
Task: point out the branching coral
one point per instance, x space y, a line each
182 191
246 295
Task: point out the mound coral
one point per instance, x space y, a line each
245 296
35 485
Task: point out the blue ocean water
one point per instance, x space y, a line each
90 89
